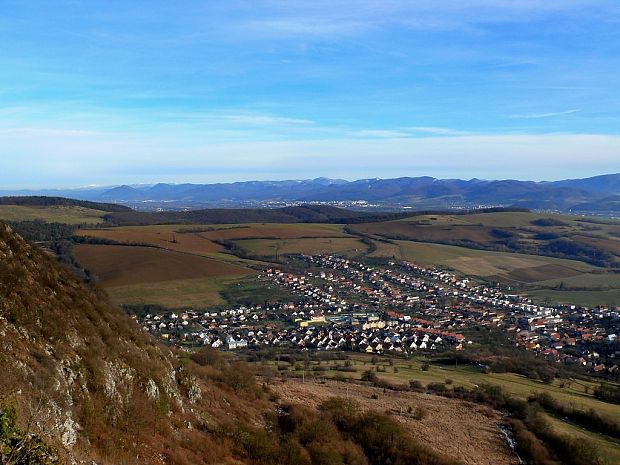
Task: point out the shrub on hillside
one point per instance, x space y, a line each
19 447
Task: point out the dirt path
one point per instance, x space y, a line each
456 428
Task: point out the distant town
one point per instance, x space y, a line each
400 309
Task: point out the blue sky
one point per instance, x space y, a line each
111 92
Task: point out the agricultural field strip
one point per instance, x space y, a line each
156 235
599 286
608 446
217 253
136 263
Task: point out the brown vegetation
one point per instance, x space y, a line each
164 237
103 389
455 428
120 265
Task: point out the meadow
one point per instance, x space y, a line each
256 244
317 245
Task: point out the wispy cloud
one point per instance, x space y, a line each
47 132
318 27
439 131
148 89
265 120
544 115
409 132
381 133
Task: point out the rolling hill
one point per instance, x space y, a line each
300 214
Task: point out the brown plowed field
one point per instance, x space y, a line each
456 428
414 232
186 242
118 265
279 231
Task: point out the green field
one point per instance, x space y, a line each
316 245
198 293
469 377
560 280
592 241
589 298
609 447
51 214
485 264
134 274
544 278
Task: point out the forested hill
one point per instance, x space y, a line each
299 214
43 201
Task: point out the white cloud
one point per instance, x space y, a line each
265 120
439 131
544 115
381 133
415 131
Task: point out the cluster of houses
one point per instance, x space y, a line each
245 327
571 334
403 307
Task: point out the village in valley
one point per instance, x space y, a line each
397 308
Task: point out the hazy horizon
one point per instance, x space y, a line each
155 182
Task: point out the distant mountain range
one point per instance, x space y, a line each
600 194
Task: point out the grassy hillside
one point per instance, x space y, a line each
568 279
53 214
55 210
270 248
88 382
559 280
566 259
592 241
